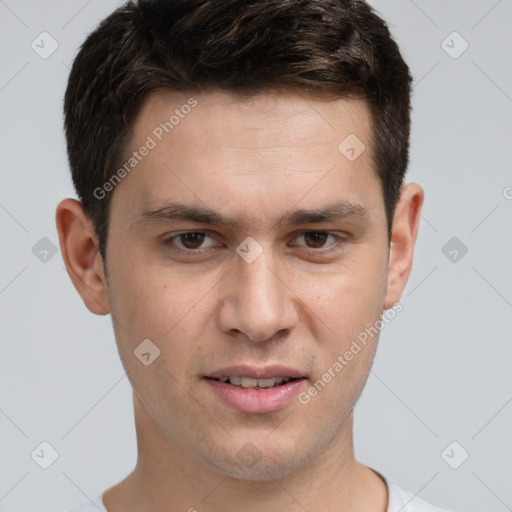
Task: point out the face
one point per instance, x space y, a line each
246 243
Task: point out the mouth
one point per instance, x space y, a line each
255 390
256 384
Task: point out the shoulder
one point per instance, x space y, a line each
403 501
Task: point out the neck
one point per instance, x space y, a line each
166 477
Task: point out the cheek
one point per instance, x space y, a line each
349 298
172 310
158 299
349 303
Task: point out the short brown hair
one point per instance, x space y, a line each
340 48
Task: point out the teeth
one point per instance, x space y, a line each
247 382
266 383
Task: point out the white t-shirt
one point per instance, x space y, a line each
399 501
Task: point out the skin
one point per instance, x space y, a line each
253 160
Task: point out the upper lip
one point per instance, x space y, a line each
254 372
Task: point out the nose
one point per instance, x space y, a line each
256 301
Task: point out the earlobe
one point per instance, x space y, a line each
79 248
403 238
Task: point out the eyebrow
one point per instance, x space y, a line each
185 212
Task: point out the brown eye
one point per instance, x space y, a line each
192 240
316 239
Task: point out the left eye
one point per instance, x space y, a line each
191 240
317 239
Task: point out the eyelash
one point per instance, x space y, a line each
321 251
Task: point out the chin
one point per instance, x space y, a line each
267 464
260 472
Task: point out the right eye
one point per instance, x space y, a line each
189 240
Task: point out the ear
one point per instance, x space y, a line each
403 237
79 248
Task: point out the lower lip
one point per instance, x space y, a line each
256 401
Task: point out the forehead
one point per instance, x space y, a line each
262 153
225 118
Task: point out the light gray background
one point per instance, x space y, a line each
442 371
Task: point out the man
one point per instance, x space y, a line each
243 218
